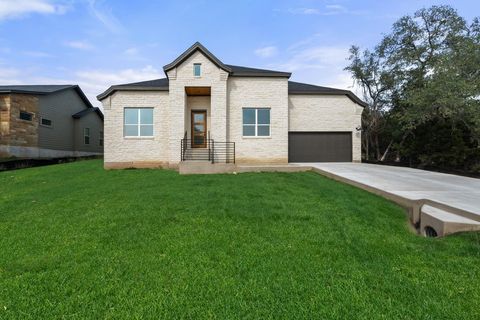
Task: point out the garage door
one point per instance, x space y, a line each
319 146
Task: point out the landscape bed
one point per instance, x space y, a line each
81 242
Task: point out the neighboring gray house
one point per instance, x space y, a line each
207 110
48 121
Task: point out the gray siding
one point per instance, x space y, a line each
95 124
63 135
59 108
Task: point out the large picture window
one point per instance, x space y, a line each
138 122
256 122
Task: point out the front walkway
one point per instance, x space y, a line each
454 191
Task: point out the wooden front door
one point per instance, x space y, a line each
199 128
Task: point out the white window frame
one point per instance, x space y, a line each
101 140
46 125
85 135
199 69
256 124
138 124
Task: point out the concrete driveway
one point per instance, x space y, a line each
454 191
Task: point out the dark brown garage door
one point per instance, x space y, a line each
319 146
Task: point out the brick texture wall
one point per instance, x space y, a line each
326 113
245 92
4 119
119 149
181 77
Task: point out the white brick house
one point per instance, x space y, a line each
208 110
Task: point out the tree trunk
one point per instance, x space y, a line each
398 158
386 151
367 147
377 147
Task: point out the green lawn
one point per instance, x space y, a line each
79 242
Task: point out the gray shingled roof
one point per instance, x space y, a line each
239 71
187 53
235 71
293 87
45 89
231 69
86 111
149 85
162 84
304 88
34 89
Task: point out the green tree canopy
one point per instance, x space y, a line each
427 70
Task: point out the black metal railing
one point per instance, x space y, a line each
213 151
184 146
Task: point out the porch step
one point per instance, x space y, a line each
205 167
197 154
444 222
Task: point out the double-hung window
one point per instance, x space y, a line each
256 122
86 135
138 122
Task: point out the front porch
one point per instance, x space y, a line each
197 143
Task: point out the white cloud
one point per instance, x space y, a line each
266 52
105 15
317 64
10 9
92 82
82 45
327 10
131 51
336 7
304 11
320 57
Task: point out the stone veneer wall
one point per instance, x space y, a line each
246 92
14 131
181 77
4 119
136 152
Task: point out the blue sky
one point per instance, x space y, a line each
98 43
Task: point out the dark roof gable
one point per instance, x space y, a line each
234 71
304 88
86 111
197 46
238 71
44 90
150 85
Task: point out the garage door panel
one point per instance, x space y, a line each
320 147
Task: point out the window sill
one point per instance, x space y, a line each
139 138
256 137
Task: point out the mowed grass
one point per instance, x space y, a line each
78 242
